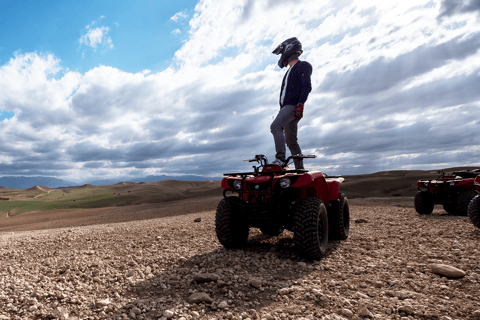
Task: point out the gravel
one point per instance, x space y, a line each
151 269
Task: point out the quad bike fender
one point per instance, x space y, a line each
307 179
225 184
476 183
334 188
465 183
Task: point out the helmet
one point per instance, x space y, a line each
286 49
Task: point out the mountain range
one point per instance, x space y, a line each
21 182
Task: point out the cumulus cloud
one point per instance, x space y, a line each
406 100
95 37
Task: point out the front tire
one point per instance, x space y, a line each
339 219
424 202
474 211
231 228
310 227
463 199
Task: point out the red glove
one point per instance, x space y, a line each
298 112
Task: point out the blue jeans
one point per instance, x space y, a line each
284 129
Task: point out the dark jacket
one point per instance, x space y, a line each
298 84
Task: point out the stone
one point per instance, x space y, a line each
347 312
168 314
447 271
198 220
361 221
3 317
60 313
223 305
255 282
407 309
200 297
136 311
400 295
476 313
102 303
205 277
267 316
284 291
364 312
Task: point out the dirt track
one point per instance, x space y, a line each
144 270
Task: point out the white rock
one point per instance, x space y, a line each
447 271
102 303
223 305
168 314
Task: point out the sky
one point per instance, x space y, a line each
105 89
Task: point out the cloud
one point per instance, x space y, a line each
95 37
176 32
449 8
406 100
382 74
179 16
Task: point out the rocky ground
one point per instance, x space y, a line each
161 268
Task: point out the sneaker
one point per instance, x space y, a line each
278 162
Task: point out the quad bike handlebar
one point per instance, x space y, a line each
264 161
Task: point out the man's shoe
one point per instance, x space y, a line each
278 162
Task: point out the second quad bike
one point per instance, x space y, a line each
274 198
474 205
454 192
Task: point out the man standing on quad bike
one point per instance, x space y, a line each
295 88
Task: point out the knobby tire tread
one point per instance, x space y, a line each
308 242
474 211
231 229
463 199
424 202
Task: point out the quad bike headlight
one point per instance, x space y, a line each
237 184
285 182
452 183
425 184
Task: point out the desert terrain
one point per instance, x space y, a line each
138 255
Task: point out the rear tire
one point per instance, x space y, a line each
310 227
474 211
463 199
424 202
450 207
271 232
339 219
231 228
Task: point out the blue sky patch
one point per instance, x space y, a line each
6 115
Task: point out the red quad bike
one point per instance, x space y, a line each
474 205
274 198
454 192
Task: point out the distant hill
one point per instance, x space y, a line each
30 182
50 182
151 179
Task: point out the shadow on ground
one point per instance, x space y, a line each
271 260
